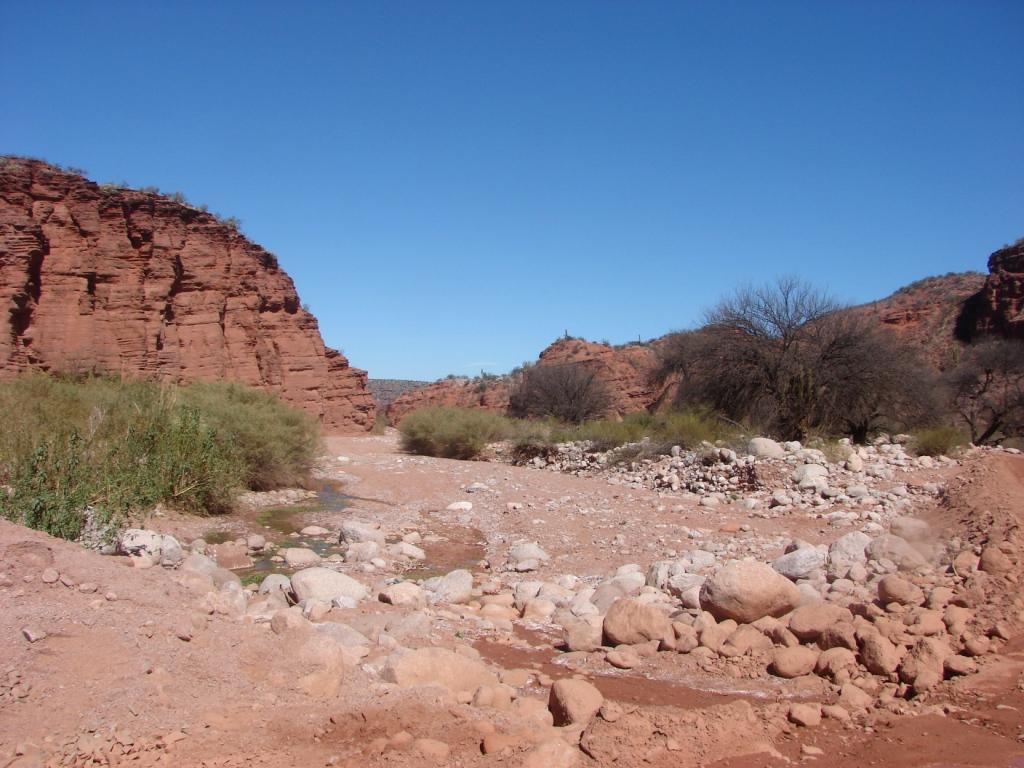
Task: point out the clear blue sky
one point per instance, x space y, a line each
454 184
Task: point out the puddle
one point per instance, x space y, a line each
460 547
278 524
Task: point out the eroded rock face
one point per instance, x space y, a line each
1001 305
625 370
124 281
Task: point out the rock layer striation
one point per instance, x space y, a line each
128 282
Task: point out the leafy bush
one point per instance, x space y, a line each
937 441
452 433
97 450
276 443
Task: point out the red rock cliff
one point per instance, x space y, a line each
1000 308
128 282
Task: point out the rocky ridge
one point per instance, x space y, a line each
122 281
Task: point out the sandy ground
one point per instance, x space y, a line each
111 679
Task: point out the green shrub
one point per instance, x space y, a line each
276 443
937 441
108 449
452 433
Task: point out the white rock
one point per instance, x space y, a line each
325 584
528 550
300 557
454 588
765 448
355 531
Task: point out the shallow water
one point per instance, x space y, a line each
279 523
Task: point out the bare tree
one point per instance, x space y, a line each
571 392
783 357
987 390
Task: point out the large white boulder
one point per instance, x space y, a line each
325 584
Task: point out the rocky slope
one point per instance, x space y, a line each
929 314
125 281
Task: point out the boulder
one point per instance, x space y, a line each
300 557
362 551
574 702
355 531
275 582
629 622
745 591
325 584
526 551
454 588
800 563
809 622
896 589
437 666
793 662
765 448
403 593
896 549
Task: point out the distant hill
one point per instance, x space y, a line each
935 315
384 391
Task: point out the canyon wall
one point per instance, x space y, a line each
113 280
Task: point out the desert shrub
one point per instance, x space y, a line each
103 449
937 441
276 443
570 392
452 433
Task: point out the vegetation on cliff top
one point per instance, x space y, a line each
82 453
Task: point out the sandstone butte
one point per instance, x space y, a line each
935 315
106 279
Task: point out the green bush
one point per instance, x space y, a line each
937 441
452 433
99 447
276 443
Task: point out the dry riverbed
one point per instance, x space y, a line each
427 611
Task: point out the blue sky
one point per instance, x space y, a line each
452 185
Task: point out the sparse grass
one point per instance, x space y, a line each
98 447
937 441
452 433
380 423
